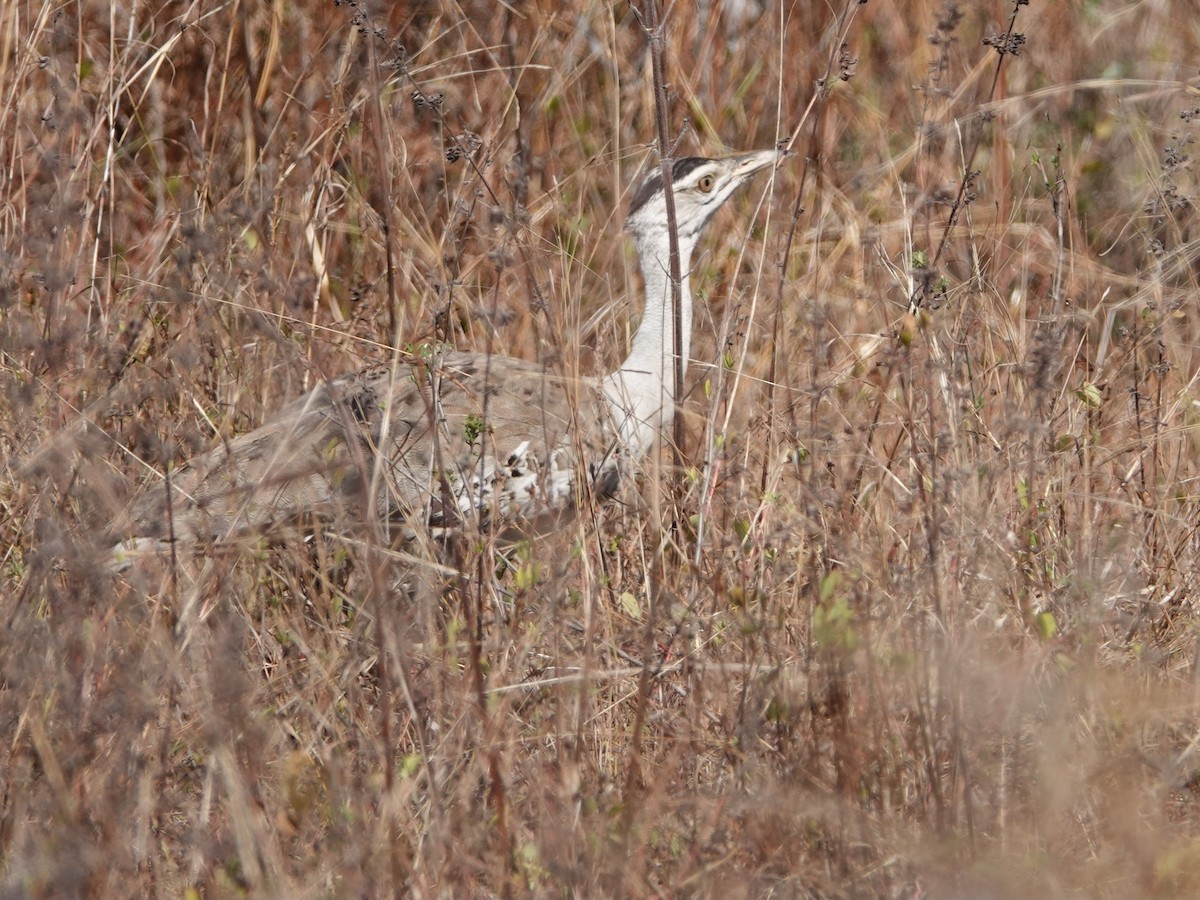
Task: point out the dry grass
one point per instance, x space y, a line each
917 620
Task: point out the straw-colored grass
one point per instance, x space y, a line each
914 618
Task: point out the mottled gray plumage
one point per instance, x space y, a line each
442 437
503 438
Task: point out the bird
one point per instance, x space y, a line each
436 437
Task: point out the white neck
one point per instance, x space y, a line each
641 393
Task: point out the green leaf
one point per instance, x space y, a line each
833 626
829 584
473 427
1066 441
527 576
410 765
1046 624
1090 395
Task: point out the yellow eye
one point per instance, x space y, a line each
707 183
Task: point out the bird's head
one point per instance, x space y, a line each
700 186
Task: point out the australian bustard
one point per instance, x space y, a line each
441 436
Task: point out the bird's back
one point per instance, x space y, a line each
434 440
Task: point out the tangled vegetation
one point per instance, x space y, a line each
904 607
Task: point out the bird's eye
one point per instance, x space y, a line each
706 183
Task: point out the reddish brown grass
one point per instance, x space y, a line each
917 618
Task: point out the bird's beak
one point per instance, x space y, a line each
749 163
